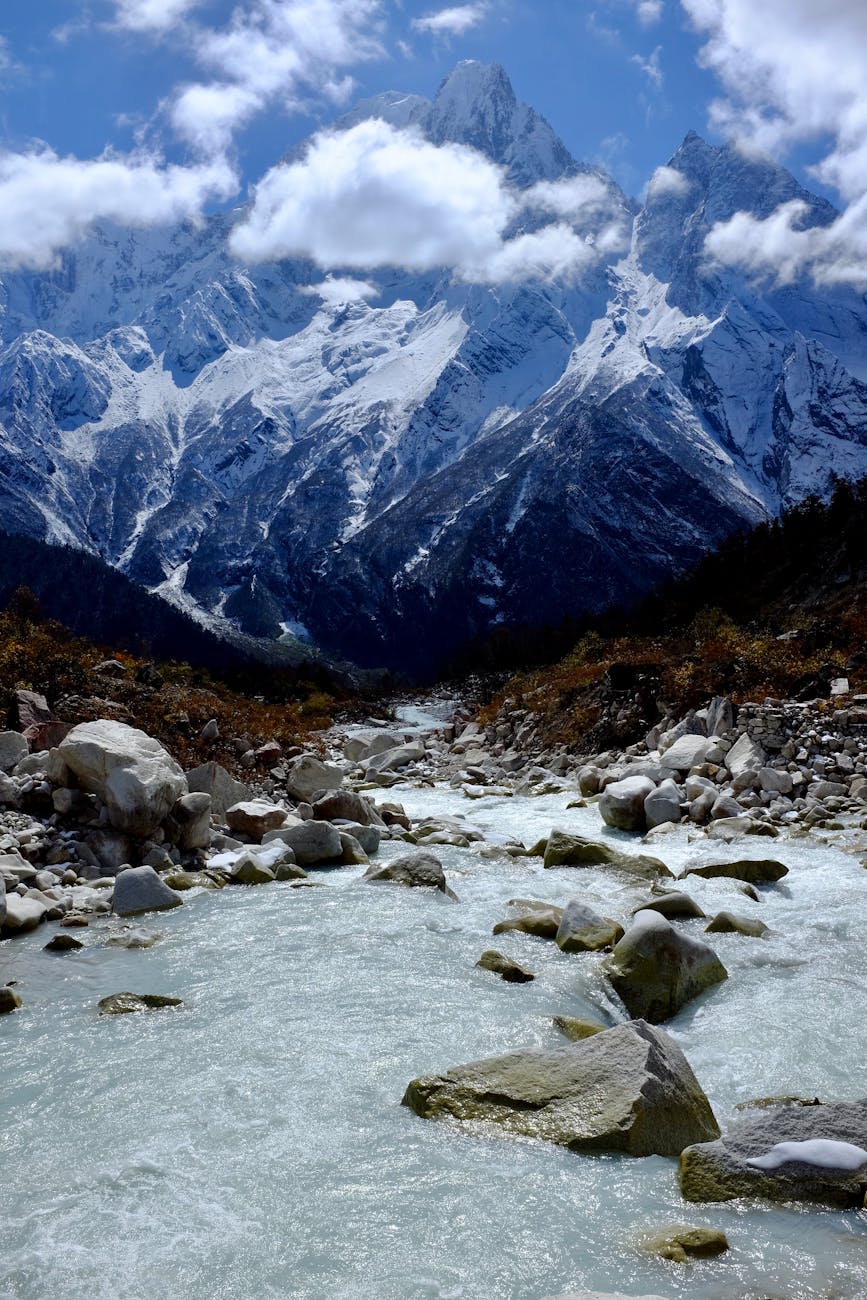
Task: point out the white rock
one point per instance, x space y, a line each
13 747
745 756
687 752
308 774
776 782
136 779
621 804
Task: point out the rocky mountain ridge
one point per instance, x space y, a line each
392 477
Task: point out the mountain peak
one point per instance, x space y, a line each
471 81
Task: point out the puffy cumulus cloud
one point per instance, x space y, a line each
49 202
376 196
272 51
453 21
668 180
338 291
794 71
154 16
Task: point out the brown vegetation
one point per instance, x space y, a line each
170 701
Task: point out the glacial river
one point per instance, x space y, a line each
251 1144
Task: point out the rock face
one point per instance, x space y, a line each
655 970
13 747
664 803
680 1244
621 803
192 813
673 904
821 1171
687 752
626 1089
136 779
140 889
22 914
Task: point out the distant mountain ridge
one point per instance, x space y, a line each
395 477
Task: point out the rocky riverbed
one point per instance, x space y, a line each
316 997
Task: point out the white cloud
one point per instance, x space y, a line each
49 202
794 71
453 21
272 51
155 16
667 180
783 249
337 290
376 196
574 197
649 12
650 67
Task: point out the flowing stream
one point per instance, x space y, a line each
252 1143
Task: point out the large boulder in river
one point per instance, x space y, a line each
621 804
565 849
421 870
532 916
583 930
655 970
140 889
664 803
757 871
308 775
22 914
785 1153
626 1089
136 779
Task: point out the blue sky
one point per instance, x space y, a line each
144 112
580 64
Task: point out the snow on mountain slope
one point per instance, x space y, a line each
399 474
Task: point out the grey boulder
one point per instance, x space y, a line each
583 930
811 1153
655 970
310 841
621 804
664 803
626 1089
136 779
419 870
308 774
140 889
214 780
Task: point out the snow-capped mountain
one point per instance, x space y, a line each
398 475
